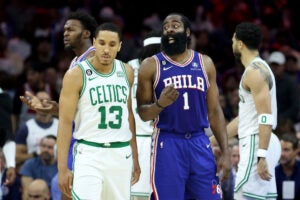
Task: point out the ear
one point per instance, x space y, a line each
188 32
120 46
86 34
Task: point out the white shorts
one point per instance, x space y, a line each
248 182
101 173
143 186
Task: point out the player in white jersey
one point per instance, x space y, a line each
97 94
144 130
79 31
259 147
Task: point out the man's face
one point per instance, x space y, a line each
288 154
235 50
73 34
107 44
47 149
174 38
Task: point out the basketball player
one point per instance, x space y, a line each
97 95
178 89
259 148
78 33
144 130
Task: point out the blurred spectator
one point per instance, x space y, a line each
13 190
38 190
34 82
228 185
292 67
29 135
287 91
10 61
44 166
288 171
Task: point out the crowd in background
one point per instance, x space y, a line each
32 53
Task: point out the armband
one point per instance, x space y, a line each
158 105
265 119
262 153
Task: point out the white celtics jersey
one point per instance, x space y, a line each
248 117
102 113
142 127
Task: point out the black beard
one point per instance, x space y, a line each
237 56
177 47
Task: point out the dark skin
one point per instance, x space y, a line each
76 38
149 110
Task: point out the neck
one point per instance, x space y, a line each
181 58
288 168
248 56
82 48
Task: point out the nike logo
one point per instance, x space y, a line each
166 68
208 145
127 156
90 79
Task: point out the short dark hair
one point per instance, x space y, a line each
250 34
150 49
109 26
50 137
87 21
291 138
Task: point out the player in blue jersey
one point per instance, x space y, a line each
78 33
178 89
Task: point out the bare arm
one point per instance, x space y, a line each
35 104
258 81
69 96
232 130
136 166
21 153
216 116
148 108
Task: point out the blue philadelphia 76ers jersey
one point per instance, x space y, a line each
189 112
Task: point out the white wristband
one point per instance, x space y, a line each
261 153
265 119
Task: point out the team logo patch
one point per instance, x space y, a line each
215 187
163 62
120 74
195 66
89 72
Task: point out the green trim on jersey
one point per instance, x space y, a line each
105 145
124 70
249 166
100 74
83 79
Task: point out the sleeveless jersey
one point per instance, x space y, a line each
36 133
102 113
142 127
189 112
82 57
248 117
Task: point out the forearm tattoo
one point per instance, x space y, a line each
264 72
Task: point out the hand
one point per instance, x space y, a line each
168 95
136 172
36 104
65 180
10 176
224 165
262 169
31 101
